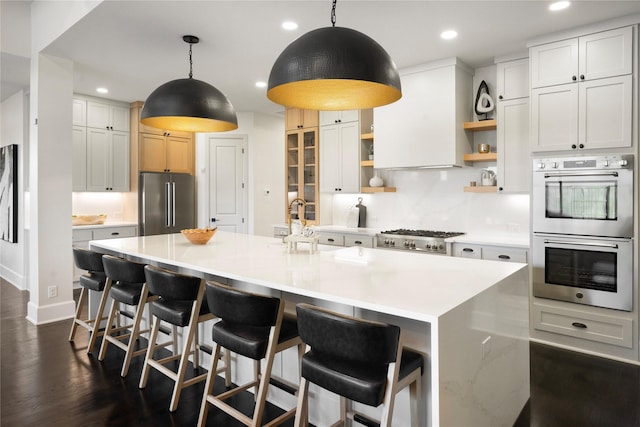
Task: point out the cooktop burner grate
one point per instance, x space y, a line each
422 233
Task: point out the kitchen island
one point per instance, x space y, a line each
469 318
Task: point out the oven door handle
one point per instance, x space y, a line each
564 242
562 174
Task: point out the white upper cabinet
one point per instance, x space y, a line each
107 116
593 56
339 157
107 160
512 134
512 79
425 127
79 112
335 117
581 96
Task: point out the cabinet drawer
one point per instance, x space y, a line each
81 235
331 239
595 327
467 251
504 254
364 241
114 233
280 231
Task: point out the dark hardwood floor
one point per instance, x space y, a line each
48 381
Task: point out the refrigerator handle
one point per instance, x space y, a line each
167 194
173 204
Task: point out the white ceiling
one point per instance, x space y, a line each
132 47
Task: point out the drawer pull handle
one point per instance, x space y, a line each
330 240
579 325
467 250
504 257
357 242
115 233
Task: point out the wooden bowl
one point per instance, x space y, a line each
88 219
199 236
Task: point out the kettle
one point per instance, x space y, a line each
488 177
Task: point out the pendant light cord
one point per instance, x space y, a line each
190 62
333 13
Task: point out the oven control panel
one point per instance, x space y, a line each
584 163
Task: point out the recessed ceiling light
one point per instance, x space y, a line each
449 34
102 90
289 25
261 84
559 5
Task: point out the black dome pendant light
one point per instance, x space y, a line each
334 68
189 105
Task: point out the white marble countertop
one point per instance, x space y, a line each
106 225
515 240
414 286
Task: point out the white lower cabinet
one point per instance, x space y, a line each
488 252
364 241
581 324
81 237
333 239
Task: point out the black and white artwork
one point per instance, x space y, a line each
9 193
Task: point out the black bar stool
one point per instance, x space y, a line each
253 326
358 360
180 303
93 280
128 287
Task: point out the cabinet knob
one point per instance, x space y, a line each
581 76
573 146
499 96
500 189
574 78
581 145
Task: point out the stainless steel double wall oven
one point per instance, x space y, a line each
582 230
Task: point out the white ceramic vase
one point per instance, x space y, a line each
376 181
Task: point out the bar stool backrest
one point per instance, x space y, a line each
170 285
236 306
88 260
346 337
122 270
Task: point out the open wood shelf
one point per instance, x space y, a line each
480 125
481 189
366 163
378 189
366 135
480 157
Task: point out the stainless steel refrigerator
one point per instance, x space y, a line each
166 203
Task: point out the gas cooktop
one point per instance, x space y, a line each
426 241
422 233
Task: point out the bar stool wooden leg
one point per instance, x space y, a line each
151 348
135 332
96 325
81 302
110 320
302 408
184 360
208 387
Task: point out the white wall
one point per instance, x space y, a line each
14 130
434 200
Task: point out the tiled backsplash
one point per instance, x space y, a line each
434 199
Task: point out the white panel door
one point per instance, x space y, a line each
227 183
606 54
606 112
554 118
554 63
514 171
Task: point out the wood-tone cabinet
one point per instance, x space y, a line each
296 118
161 150
101 145
340 152
166 153
301 164
581 96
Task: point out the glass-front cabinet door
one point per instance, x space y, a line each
302 173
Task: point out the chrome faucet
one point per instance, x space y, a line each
300 202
